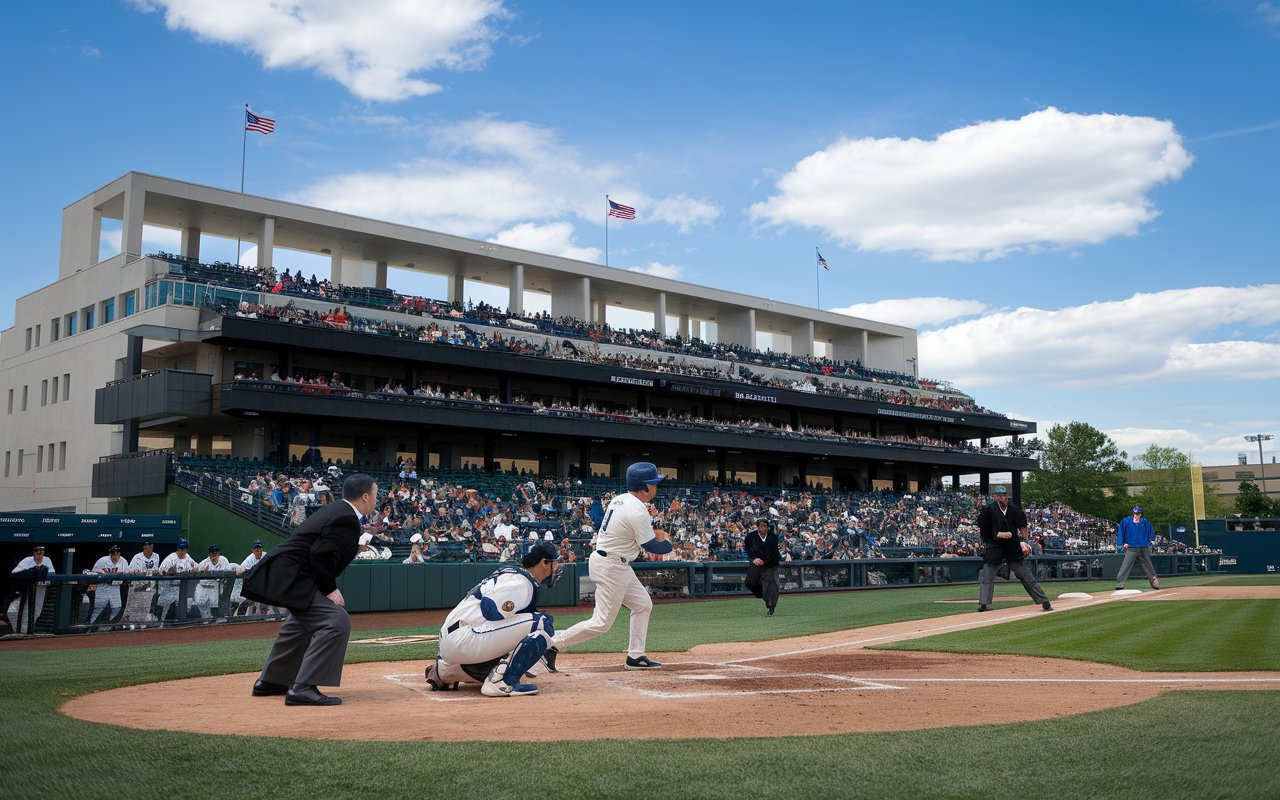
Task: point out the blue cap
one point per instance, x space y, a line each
257 543
1137 509
213 548
183 543
641 474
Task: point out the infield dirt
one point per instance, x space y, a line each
828 683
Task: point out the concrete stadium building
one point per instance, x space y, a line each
136 354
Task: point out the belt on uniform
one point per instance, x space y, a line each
606 555
453 627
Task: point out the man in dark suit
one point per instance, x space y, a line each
762 572
1002 526
301 575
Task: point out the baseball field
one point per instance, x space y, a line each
902 693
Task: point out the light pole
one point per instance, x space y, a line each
1262 466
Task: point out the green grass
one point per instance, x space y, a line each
1171 635
1248 580
1187 744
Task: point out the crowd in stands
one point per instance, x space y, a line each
558 407
472 515
670 353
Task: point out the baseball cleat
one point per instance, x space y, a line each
984 608
549 658
643 662
1046 606
500 688
437 685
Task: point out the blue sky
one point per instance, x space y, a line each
1075 204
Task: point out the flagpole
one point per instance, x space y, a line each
244 142
606 230
817 276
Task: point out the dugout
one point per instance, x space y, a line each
1250 545
82 537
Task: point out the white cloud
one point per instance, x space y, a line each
154 238
374 48
249 258
682 211
555 238
90 52
986 190
659 270
1135 441
1139 340
487 175
914 312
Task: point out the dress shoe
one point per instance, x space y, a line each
984 608
309 696
263 688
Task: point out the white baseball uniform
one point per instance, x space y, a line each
208 592
169 590
490 622
108 594
143 563
41 589
626 526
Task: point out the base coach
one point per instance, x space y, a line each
301 575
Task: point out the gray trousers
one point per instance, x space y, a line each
311 645
987 582
1143 556
763 583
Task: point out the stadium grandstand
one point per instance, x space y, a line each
121 362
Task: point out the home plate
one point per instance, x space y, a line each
1125 592
1075 596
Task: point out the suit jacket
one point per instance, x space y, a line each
766 550
991 521
309 561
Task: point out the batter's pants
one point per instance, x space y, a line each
1143 556
616 586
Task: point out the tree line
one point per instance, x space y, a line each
1082 467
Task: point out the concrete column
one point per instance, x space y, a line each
686 326
95 240
335 267
806 339
457 284
380 275
135 201
249 442
737 326
660 314
266 242
515 300
204 444
191 243
597 311
571 297
865 349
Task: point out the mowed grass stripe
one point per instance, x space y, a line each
1163 636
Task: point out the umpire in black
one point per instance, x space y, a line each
1002 526
762 572
302 575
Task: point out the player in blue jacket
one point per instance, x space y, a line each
1133 538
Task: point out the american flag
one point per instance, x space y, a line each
822 262
253 122
620 211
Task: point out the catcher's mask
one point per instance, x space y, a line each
542 552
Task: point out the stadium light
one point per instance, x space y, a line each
1262 465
